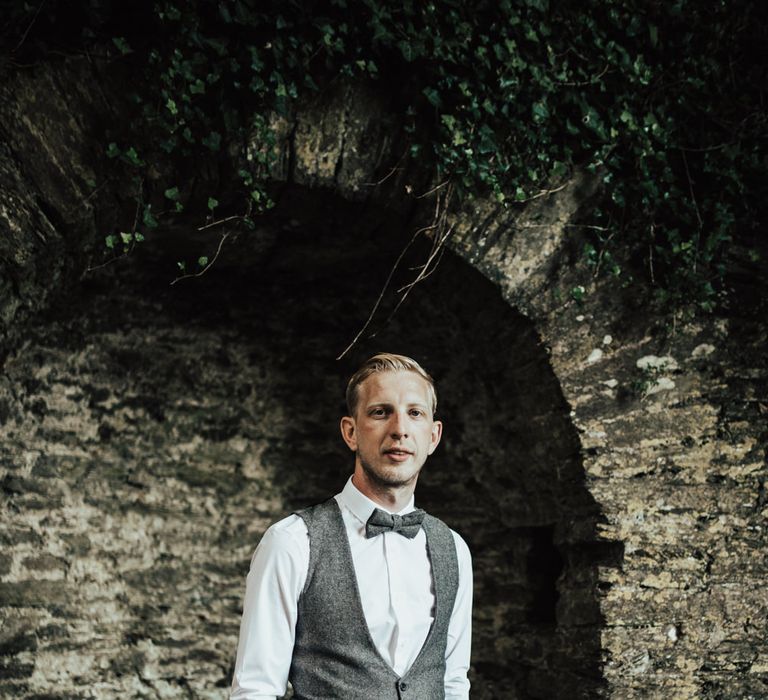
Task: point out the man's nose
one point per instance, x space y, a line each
399 425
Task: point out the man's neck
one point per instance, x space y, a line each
392 498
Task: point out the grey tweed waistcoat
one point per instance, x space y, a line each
334 655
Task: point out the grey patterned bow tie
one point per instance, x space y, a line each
407 525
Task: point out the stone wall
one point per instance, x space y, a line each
152 433
606 466
672 430
51 180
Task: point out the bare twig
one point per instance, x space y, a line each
106 262
381 295
690 187
126 251
139 202
224 237
384 179
420 278
543 193
433 190
219 222
424 270
29 26
437 249
440 235
95 191
706 149
394 169
592 227
602 253
696 208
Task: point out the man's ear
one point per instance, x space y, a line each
434 438
348 432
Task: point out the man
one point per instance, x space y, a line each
363 596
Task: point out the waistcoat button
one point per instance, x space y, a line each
403 685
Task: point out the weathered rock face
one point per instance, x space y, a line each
681 473
671 423
153 433
607 471
49 175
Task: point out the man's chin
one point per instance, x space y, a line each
395 476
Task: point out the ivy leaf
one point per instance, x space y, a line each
540 111
487 140
212 203
149 220
432 95
110 241
122 45
570 128
406 50
202 260
172 193
212 140
558 169
133 157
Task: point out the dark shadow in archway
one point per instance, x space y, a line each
508 476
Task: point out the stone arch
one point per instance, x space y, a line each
154 432
549 646
164 428
660 589
508 476
667 425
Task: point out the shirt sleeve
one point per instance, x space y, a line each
458 647
268 627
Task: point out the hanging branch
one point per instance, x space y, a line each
224 237
440 233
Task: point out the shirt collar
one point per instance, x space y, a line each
361 506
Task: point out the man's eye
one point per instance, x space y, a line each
416 412
377 412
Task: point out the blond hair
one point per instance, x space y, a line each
387 362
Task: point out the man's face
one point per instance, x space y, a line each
393 431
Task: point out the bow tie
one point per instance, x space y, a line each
407 525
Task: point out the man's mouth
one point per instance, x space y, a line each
398 454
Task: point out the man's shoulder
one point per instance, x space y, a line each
286 540
329 503
290 530
295 527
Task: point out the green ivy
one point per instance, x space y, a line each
663 100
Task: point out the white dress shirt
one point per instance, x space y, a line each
394 578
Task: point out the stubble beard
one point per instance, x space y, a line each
383 480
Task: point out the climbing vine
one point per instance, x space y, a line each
664 100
